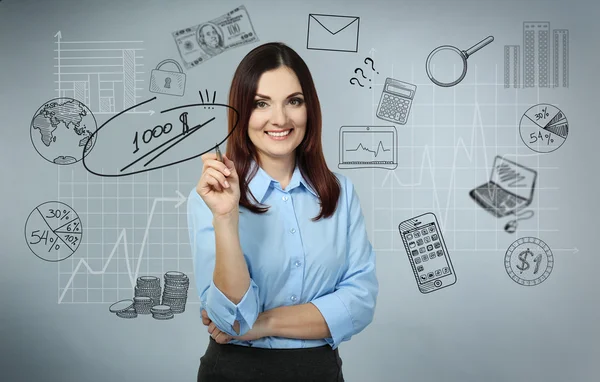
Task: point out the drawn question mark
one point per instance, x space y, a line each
354 78
361 72
372 63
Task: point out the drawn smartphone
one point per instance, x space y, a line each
427 252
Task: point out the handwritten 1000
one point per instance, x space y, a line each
159 130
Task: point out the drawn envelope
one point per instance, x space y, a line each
333 32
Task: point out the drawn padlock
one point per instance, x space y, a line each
167 82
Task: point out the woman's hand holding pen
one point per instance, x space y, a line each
219 185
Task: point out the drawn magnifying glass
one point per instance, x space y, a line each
442 61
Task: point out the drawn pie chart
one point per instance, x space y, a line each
53 231
544 128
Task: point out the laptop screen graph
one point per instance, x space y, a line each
374 146
513 178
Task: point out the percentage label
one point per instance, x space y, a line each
544 114
542 137
73 227
59 214
71 239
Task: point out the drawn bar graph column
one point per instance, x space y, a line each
561 58
128 78
104 75
536 55
512 65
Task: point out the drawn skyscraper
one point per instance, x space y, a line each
561 57
512 66
536 55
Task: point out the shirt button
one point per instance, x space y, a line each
293 230
231 311
297 263
284 198
293 298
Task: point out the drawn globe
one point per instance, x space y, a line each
61 130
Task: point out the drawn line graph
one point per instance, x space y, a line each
380 146
133 270
427 166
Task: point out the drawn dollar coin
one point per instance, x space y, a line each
528 261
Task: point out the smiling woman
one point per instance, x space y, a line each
284 269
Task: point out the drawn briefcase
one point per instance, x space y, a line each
167 82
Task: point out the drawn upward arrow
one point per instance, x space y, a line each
132 269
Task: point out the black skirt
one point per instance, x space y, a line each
237 363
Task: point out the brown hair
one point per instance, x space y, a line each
309 153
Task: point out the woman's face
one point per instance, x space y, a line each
278 122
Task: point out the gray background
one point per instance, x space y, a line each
485 327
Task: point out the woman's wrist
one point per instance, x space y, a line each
229 218
270 324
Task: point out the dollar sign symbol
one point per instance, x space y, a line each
523 257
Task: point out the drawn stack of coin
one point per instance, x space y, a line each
142 304
148 286
124 309
161 312
175 291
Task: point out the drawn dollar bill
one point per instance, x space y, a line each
203 41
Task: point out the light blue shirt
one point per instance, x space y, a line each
291 260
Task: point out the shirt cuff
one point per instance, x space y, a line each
224 313
337 316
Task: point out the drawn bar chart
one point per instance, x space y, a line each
104 75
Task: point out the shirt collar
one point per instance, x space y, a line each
260 184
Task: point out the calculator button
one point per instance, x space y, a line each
415 252
438 272
430 247
417 234
434 236
409 237
423 277
417 260
440 252
432 255
412 244
420 268
437 283
424 258
422 250
424 232
420 242
432 229
430 275
437 244
445 270
427 239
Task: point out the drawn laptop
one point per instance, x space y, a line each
509 189
368 147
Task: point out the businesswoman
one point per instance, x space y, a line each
283 265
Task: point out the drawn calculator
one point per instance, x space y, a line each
427 252
396 98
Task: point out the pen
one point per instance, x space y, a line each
219 156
